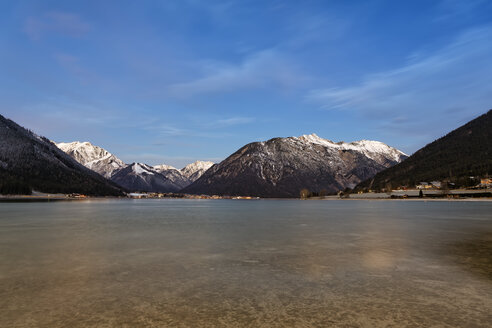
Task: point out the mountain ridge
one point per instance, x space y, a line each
282 167
195 170
107 164
143 177
93 157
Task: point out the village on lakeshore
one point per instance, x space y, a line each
433 189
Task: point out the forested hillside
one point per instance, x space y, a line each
30 162
463 153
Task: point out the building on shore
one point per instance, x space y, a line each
486 183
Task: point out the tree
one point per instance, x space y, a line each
304 193
388 188
445 187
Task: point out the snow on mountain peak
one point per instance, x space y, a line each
194 170
93 157
370 148
186 175
314 138
140 168
198 165
108 165
164 167
143 177
282 167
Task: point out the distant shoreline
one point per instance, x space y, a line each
27 198
30 198
414 199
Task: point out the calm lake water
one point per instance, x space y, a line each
260 263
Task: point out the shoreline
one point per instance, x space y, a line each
48 198
57 198
433 199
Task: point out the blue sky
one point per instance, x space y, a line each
176 81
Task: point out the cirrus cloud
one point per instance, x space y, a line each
260 70
457 78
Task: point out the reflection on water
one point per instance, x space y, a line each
225 263
473 253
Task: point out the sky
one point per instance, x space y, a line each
178 81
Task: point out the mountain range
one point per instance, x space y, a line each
279 167
460 157
135 176
282 167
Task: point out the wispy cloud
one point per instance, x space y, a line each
222 123
427 92
170 131
262 69
64 23
167 130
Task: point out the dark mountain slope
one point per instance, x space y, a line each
28 161
464 152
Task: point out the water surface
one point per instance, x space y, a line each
260 263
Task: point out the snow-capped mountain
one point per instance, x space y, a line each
173 174
142 177
282 167
195 170
93 157
107 164
186 175
164 167
373 149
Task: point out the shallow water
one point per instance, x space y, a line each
260 263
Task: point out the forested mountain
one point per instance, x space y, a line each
30 162
463 153
282 167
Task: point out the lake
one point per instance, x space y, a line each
238 263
